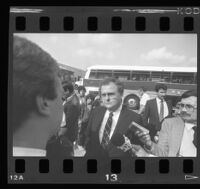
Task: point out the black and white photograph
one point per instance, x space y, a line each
104 95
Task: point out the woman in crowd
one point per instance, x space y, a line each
88 106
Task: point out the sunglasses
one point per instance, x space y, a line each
186 106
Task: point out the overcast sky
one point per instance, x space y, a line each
84 50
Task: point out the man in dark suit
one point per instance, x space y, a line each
156 110
62 144
107 120
72 113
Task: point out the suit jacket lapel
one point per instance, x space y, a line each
98 120
121 123
177 135
169 107
156 109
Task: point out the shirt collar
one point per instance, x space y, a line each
159 100
189 125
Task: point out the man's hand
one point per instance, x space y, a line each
139 151
126 146
144 138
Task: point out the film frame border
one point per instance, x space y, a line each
112 22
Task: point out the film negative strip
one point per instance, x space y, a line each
151 50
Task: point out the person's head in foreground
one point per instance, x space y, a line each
37 96
111 92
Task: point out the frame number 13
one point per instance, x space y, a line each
111 177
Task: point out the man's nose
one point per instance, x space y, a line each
107 97
163 96
184 109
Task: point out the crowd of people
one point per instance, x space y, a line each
50 118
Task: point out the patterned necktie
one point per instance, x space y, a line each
195 136
161 116
107 130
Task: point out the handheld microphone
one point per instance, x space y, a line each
121 141
135 127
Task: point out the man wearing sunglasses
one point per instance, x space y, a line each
178 136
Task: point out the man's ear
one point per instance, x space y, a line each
43 105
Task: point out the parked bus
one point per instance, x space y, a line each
177 79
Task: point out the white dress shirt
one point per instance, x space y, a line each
166 111
63 123
187 148
22 151
114 122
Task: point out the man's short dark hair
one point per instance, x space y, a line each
68 86
109 80
34 74
81 88
189 93
160 86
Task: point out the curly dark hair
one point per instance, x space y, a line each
68 86
160 86
90 96
80 88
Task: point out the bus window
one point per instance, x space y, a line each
195 78
184 78
160 76
156 76
101 74
92 74
141 76
165 76
122 75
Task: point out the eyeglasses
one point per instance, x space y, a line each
186 106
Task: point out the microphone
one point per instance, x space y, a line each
121 141
137 127
118 139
